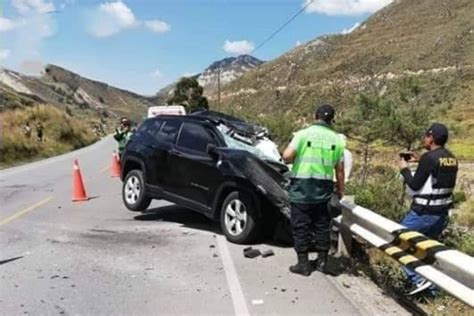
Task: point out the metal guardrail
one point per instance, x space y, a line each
451 270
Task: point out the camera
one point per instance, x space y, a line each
405 155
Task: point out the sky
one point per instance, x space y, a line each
143 45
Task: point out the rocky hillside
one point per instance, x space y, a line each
230 69
429 40
70 92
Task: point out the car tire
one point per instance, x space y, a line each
133 192
238 218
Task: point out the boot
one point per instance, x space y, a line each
321 262
303 266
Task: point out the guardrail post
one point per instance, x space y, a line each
344 242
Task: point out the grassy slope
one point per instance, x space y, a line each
62 133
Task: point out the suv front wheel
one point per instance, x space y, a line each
133 192
238 218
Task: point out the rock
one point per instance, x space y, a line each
268 253
251 253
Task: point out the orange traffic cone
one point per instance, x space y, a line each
115 168
78 190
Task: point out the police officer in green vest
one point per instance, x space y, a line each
316 153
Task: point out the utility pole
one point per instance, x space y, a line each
219 87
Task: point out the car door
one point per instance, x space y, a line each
196 169
161 147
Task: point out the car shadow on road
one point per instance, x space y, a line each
194 220
180 215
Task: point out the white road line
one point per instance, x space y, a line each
238 299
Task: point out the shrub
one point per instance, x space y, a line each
382 193
465 214
61 134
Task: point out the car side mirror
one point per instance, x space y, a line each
212 151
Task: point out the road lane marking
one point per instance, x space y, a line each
24 211
236 293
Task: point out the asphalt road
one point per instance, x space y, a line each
97 258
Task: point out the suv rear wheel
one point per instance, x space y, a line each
133 192
239 218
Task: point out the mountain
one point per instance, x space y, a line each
69 91
430 41
229 68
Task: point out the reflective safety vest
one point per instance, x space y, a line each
318 150
437 192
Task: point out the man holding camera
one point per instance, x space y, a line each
431 188
316 153
122 134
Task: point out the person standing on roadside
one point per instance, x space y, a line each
122 134
27 130
317 152
431 188
39 131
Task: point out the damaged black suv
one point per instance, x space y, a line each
210 163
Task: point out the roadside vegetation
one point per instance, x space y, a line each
61 133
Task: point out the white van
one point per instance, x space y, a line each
166 110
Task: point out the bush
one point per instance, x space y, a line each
459 197
459 238
382 193
62 133
465 214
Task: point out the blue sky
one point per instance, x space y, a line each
142 45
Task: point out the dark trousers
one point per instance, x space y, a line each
310 226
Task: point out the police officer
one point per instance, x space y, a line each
315 152
122 134
431 188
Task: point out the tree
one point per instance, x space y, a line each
409 116
189 93
366 122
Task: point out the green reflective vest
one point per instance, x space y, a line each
318 150
122 137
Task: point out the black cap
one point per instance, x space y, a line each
325 112
439 133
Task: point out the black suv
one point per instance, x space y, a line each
186 160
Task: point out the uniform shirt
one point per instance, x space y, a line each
314 190
442 165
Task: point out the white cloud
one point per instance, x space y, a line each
4 54
157 26
157 74
350 30
7 24
66 4
238 47
29 26
33 6
111 18
345 7
298 43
